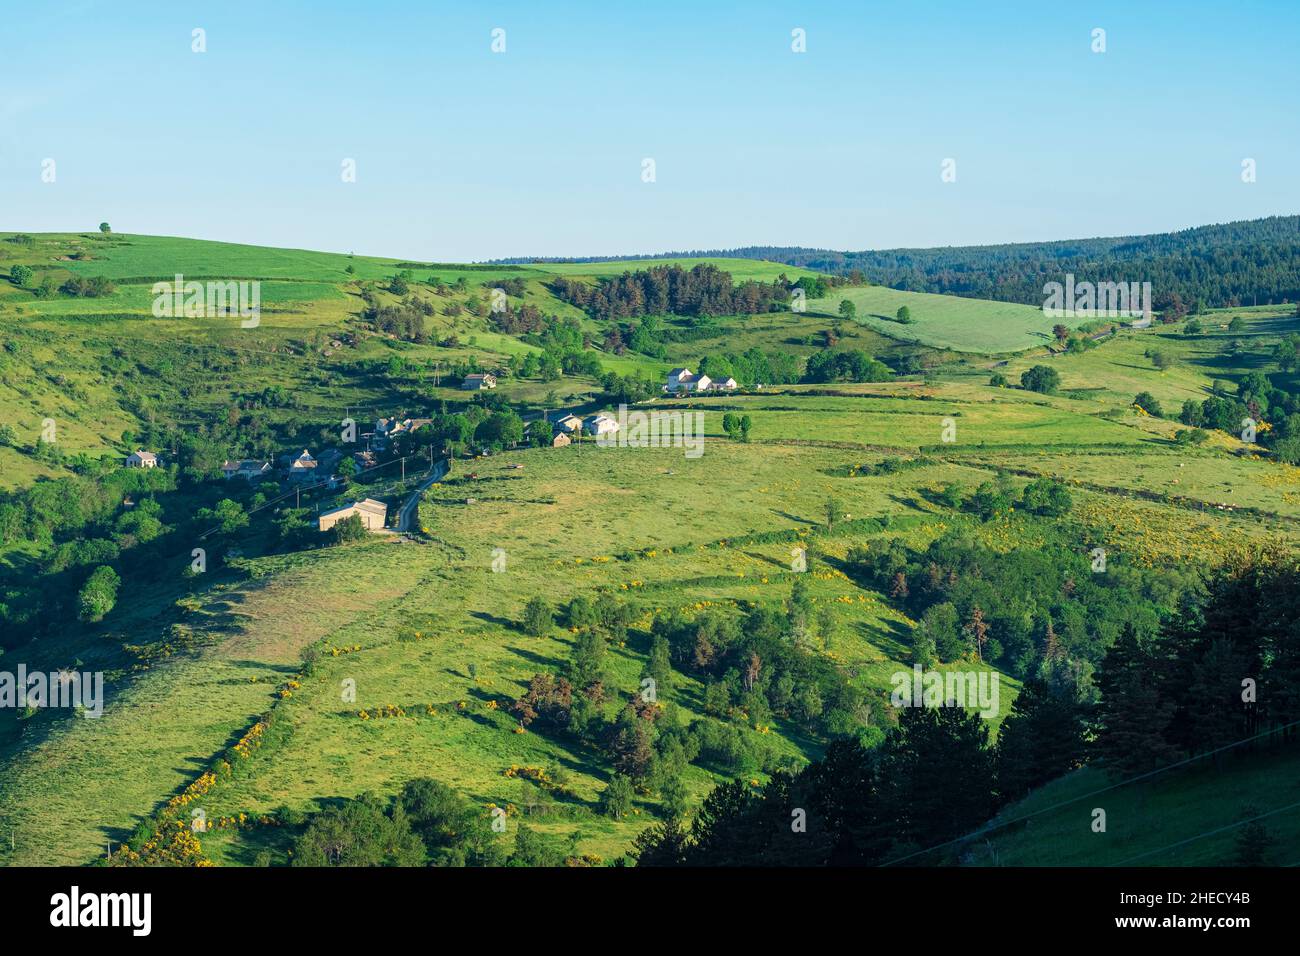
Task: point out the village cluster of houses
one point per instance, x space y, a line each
304 467
682 380
387 429
300 467
564 425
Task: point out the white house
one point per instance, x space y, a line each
568 423
302 466
142 459
373 514
478 381
684 380
598 425
386 427
680 380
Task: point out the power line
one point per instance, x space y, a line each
1230 826
1065 803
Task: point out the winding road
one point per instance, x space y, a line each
411 507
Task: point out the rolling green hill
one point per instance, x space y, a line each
963 325
248 664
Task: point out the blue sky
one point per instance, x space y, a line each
466 154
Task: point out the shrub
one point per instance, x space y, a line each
616 800
1046 497
1149 404
99 594
538 617
1041 378
350 528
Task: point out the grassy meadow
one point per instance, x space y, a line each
943 321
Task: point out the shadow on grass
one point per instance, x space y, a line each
892 637
499 621
541 660
795 518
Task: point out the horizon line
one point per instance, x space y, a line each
721 252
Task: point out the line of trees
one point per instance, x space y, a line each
671 290
1226 265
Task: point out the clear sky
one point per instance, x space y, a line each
462 153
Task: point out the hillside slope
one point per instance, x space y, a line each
433 630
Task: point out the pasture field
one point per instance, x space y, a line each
135 258
942 321
1123 367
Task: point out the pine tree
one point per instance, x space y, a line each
929 749
1254 844
661 845
1040 739
1134 715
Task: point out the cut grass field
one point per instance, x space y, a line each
137 257
943 321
